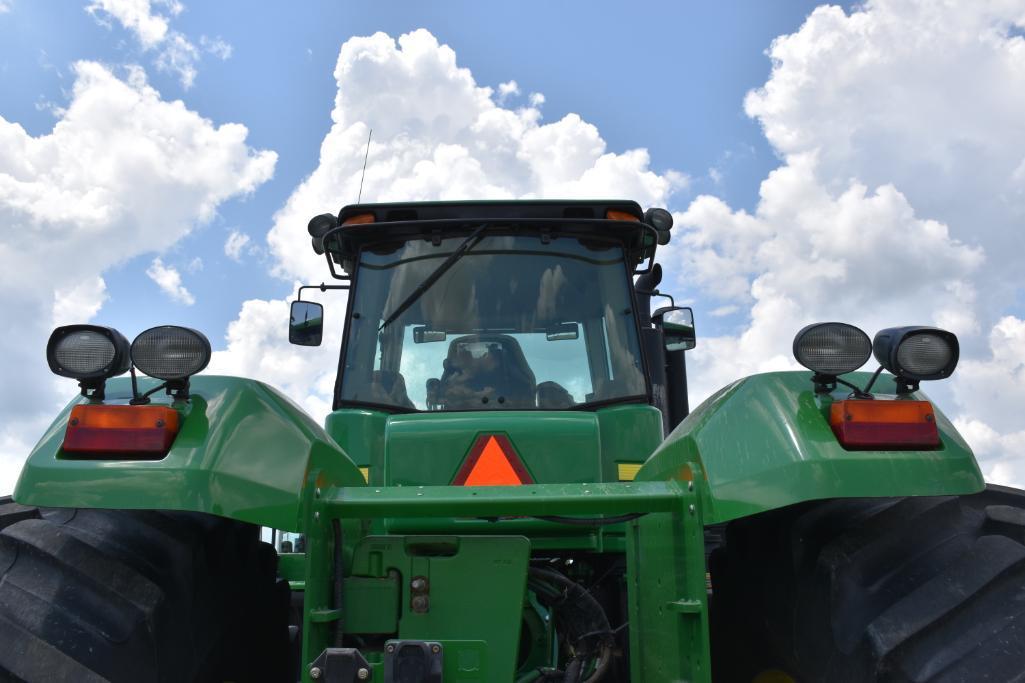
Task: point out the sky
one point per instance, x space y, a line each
159 161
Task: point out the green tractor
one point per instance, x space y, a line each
511 487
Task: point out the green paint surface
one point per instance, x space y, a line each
764 442
462 575
243 451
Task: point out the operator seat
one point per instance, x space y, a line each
485 371
389 388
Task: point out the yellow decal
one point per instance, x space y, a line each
627 470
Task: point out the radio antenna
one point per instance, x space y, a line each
364 167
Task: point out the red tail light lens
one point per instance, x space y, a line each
884 425
120 431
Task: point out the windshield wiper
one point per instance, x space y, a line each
467 244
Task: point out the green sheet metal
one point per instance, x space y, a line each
243 451
764 442
563 446
460 575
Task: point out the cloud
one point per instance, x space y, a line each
901 130
101 188
170 282
216 46
926 96
257 346
236 242
174 52
79 302
136 16
178 56
507 90
437 135
808 254
5 6
990 392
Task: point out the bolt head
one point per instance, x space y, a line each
389 647
315 672
317 492
418 584
435 649
691 509
363 674
316 515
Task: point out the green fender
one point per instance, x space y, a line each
764 442
243 450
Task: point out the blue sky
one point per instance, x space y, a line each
861 162
669 77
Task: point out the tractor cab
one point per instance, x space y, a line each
490 306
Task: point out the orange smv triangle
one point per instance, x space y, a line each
492 462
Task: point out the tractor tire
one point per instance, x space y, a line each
885 589
115 595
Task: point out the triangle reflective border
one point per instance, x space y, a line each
492 461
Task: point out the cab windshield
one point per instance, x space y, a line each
516 323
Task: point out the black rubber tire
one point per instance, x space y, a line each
899 589
93 595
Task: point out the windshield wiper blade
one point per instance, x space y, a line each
460 251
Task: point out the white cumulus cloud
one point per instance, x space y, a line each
236 242
123 173
174 52
507 90
218 47
170 282
901 127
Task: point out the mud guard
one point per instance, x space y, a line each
764 442
243 451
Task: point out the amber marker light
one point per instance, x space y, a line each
884 425
120 431
359 219
614 215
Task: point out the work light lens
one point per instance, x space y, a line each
170 352
84 353
924 354
87 352
917 353
832 348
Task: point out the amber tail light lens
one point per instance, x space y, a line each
120 431
884 425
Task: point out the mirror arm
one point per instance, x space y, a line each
322 287
655 292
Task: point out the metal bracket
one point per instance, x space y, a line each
341 665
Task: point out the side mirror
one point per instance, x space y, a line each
306 323
562 332
677 325
422 334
